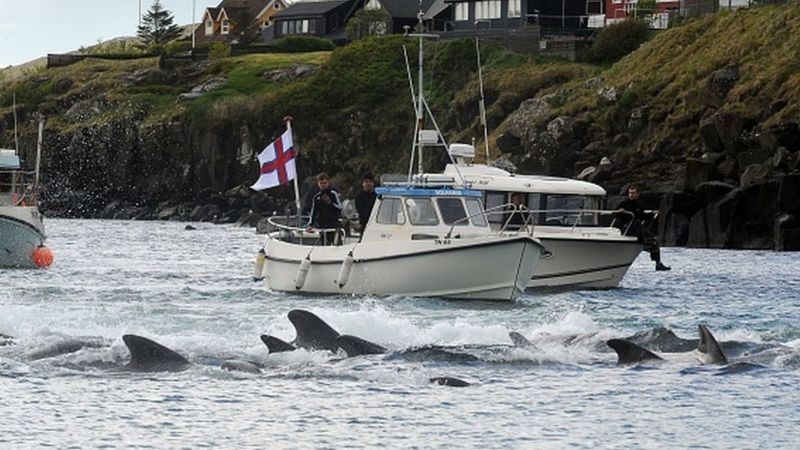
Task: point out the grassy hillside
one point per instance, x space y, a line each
354 111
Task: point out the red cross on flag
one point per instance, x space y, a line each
277 163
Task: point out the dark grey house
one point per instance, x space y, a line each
515 14
325 19
437 14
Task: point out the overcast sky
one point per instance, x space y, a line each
33 28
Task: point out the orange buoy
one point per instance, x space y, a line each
42 256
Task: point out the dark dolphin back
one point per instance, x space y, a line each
150 356
312 332
663 339
449 381
355 346
630 353
709 347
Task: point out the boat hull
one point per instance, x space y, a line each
478 269
584 262
21 231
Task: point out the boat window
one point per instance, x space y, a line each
421 211
566 210
475 211
452 211
391 212
495 200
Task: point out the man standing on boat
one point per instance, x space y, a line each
365 199
639 225
326 208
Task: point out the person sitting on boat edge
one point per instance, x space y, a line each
365 199
518 217
326 208
639 225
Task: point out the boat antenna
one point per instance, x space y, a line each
38 153
482 103
414 102
421 106
16 138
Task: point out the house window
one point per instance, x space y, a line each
225 27
277 6
304 26
487 9
372 4
209 27
462 11
514 8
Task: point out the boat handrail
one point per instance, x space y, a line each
508 209
305 232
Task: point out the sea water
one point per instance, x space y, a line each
192 290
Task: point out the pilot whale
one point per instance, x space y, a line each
150 356
708 350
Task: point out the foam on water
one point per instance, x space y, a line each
191 291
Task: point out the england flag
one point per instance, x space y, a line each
277 163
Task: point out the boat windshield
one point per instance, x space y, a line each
391 212
421 211
452 210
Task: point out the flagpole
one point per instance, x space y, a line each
288 120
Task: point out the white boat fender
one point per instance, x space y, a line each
344 272
302 273
261 256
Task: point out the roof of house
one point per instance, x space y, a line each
213 12
404 8
311 8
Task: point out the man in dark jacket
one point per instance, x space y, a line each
639 225
326 208
365 199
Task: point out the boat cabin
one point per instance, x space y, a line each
551 200
412 213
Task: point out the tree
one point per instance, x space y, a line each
368 22
157 27
245 29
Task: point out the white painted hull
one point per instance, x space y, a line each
21 231
477 268
584 262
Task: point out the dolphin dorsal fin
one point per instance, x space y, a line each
312 332
519 340
148 355
709 347
630 353
276 345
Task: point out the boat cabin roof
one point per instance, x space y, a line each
406 191
486 178
9 159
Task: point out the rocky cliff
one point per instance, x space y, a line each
703 116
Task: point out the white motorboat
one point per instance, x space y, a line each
564 214
419 242
22 234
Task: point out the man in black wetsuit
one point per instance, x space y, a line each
325 210
365 199
639 225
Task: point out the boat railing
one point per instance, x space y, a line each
17 188
569 217
292 229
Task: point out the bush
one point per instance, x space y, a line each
301 44
368 22
219 50
618 40
175 47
